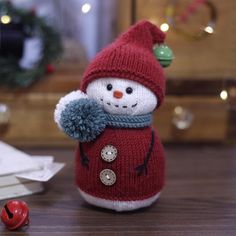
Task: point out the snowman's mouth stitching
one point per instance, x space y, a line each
116 105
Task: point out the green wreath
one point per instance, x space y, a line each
13 75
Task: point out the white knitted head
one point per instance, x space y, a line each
121 96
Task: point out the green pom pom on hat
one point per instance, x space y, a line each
163 54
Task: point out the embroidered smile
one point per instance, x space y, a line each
116 105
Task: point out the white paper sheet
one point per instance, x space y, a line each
14 161
43 175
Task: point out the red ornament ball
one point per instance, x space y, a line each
15 214
49 69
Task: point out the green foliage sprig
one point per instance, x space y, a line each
11 74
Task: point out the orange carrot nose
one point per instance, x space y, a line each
117 94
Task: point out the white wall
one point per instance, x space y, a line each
93 30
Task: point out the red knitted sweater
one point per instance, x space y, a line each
132 147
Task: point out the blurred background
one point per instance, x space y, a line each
200 105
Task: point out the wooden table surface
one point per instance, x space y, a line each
199 199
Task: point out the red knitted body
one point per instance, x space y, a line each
132 146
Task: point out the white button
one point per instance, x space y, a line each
107 177
109 153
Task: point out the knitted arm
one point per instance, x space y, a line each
143 167
83 119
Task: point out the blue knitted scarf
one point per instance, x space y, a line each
128 121
85 119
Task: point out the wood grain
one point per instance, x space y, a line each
65 78
199 200
210 119
232 111
124 15
209 58
32 122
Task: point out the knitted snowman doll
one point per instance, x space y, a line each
120 160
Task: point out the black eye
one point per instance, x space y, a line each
109 87
129 90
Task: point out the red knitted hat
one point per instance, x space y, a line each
131 57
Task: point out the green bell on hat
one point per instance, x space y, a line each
163 54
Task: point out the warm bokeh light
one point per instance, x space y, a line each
178 110
164 27
209 29
223 95
5 19
86 8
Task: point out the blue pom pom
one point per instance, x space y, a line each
83 119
